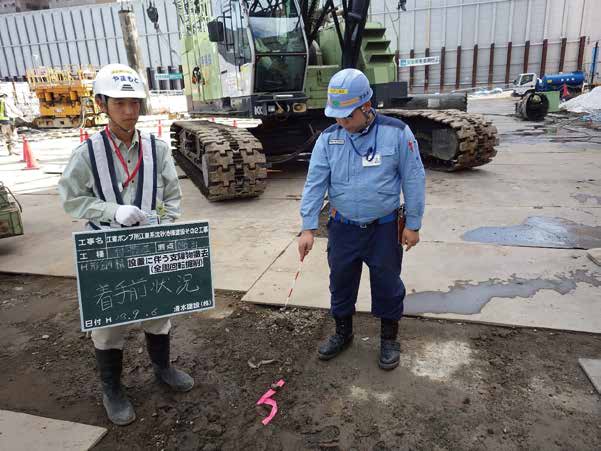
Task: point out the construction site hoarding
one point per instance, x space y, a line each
85 35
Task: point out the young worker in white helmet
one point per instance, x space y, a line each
101 183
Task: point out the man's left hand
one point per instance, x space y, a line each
410 238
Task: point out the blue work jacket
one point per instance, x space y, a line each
359 189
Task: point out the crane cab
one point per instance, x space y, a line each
247 57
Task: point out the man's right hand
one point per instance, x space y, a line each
129 215
305 243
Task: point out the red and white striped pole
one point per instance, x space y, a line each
300 265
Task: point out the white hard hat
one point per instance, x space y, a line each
119 81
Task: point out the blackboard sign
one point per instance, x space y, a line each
135 274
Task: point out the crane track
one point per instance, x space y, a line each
223 161
476 137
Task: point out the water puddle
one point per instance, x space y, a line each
539 231
468 299
583 198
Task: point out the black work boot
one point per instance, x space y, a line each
390 348
339 341
117 406
158 349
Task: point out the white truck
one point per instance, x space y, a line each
529 83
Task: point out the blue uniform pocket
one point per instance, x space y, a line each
339 165
389 195
389 158
386 151
332 194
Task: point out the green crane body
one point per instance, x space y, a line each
272 60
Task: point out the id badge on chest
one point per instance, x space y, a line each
375 161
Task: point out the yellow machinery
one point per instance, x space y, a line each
10 213
65 96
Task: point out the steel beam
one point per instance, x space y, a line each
442 68
475 66
491 64
543 59
427 72
411 70
508 62
458 68
581 45
562 55
526 56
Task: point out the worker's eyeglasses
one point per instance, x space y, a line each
350 116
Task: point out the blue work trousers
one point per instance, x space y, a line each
376 245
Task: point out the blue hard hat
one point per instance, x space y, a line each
348 89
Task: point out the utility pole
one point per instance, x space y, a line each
127 18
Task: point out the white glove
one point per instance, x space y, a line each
129 215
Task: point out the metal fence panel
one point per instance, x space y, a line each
84 35
92 35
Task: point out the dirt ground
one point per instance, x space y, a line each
459 386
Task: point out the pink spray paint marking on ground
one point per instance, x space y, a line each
266 399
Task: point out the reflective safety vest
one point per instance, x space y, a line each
106 186
3 116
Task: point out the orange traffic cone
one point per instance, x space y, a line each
160 130
81 135
30 161
25 153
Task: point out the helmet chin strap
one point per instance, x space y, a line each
114 122
367 115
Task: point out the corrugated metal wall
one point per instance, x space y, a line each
92 35
437 24
84 35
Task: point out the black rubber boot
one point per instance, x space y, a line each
158 349
338 342
390 348
117 406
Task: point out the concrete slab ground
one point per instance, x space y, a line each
595 255
254 241
551 288
246 235
448 277
592 369
22 432
244 244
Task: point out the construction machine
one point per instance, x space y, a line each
272 60
66 97
530 83
10 213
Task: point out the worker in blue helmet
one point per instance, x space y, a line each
363 162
